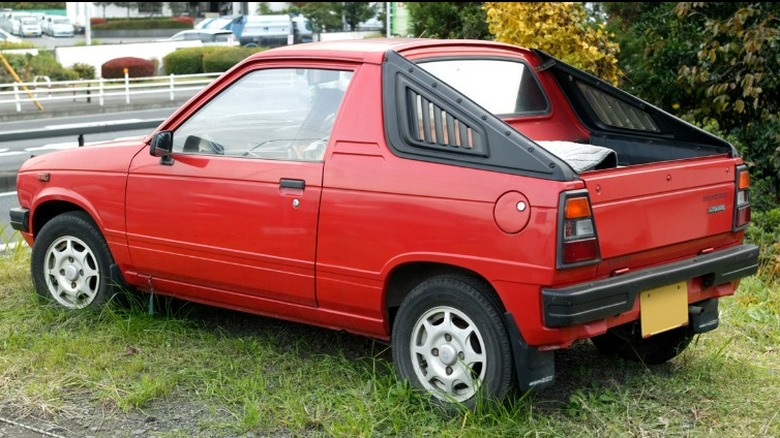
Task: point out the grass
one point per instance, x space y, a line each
238 373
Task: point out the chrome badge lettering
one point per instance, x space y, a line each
716 208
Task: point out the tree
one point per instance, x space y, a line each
103 5
716 65
128 5
448 20
358 12
565 30
179 8
324 16
33 5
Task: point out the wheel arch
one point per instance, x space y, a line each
47 210
403 278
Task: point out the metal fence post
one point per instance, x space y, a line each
127 87
16 98
100 86
172 85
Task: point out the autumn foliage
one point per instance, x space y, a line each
562 29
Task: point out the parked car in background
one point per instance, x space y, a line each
58 26
207 36
8 38
28 26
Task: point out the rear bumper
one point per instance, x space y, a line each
586 302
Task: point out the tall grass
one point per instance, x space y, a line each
200 371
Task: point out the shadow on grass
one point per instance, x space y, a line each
579 368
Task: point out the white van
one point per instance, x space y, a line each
270 30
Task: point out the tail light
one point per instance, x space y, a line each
741 199
577 241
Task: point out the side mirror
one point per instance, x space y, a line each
162 146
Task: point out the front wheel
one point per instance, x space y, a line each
449 340
70 263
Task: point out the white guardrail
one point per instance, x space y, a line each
43 90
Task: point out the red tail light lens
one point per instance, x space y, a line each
577 240
742 199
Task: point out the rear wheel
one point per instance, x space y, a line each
626 340
450 341
70 263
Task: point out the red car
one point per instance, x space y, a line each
476 204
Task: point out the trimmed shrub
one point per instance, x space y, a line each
184 19
142 23
186 61
222 60
136 68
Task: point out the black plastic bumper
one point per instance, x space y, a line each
595 300
20 219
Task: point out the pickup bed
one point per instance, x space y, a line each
477 205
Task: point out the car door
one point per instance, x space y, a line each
233 212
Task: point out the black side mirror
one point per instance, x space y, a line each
162 146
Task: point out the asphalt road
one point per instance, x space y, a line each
13 154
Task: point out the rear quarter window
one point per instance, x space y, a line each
503 87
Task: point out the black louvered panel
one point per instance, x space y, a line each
436 128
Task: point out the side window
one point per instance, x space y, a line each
277 114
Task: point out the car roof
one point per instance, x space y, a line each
372 50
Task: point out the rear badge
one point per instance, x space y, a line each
716 209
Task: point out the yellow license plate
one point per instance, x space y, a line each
663 308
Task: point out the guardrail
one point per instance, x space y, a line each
43 90
79 130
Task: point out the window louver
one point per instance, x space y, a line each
435 128
613 112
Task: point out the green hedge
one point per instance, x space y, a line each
222 60
210 59
141 23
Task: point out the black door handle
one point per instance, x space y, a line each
286 183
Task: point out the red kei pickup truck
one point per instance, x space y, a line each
475 204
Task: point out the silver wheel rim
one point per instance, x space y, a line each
448 354
71 272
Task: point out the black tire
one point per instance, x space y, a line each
627 342
70 263
445 322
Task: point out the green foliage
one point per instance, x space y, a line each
324 16
358 12
710 61
222 60
448 20
23 6
28 66
199 371
5 45
565 30
85 71
185 61
141 23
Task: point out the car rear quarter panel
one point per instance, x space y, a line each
380 211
